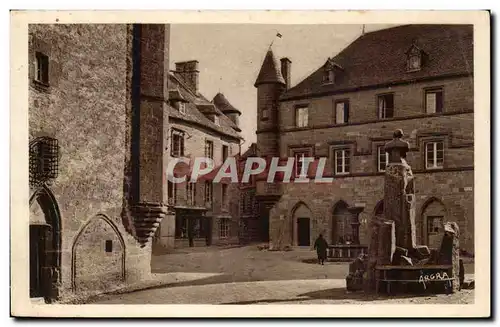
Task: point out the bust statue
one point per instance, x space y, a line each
397 148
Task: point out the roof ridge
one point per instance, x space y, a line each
382 51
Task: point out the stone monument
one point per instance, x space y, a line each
392 247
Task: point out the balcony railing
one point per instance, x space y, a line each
264 188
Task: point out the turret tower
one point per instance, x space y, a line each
270 85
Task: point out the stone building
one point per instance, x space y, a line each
206 213
97 129
252 229
418 78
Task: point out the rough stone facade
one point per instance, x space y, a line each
194 121
87 106
447 190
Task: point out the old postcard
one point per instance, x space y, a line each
308 161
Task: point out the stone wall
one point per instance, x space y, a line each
450 188
85 108
409 99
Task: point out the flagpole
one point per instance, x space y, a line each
278 34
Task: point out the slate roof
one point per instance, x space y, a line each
224 105
250 152
194 115
270 71
379 57
175 95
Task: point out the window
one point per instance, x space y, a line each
224 195
301 116
41 68
224 227
342 161
224 192
299 162
385 106
171 193
191 193
208 192
209 149
434 155
182 107
265 113
341 112
181 226
434 101
109 246
329 76
177 143
434 224
414 62
216 120
383 159
225 150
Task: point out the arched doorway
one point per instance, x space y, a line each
341 224
379 209
433 218
302 225
45 245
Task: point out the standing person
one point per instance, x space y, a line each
320 245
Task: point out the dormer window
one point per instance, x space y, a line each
182 107
414 59
216 120
329 77
331 69
177 100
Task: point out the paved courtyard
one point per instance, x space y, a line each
246 275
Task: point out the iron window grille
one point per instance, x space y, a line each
43 160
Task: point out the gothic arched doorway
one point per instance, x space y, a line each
302 225
45 245
341 224
379 209
433 218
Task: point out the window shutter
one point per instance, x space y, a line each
381 104
390 106
439 102
346 112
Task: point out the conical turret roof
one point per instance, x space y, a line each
270 72
223 104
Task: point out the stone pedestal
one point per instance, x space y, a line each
449 252
355 211
381 248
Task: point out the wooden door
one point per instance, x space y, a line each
42 261
304 231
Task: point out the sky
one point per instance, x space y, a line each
230 57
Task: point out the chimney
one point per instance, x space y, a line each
188 71
286 66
